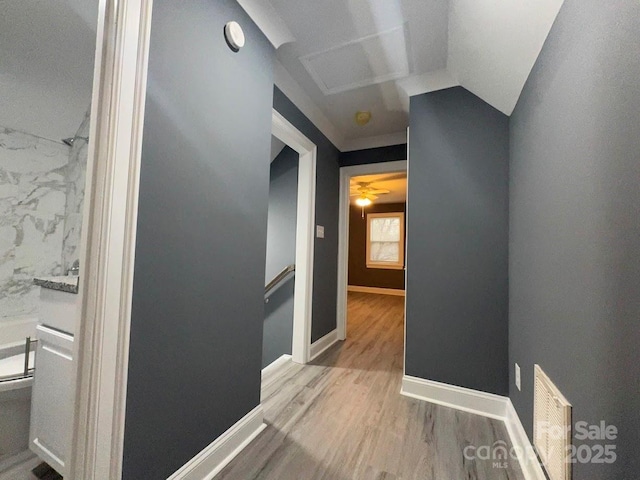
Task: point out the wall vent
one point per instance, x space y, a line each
552 427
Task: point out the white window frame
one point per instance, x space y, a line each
399 265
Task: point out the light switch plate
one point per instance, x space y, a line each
518 383
319 231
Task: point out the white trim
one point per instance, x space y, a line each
268 21
397 265
377 290
294 92
305 233
108 238
529 463
16 459
323 344
427 82
217 455
479 403
275 365
343 231
406 256
387 140
460 398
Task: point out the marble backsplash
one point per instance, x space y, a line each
75 175
33 198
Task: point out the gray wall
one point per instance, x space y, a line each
359 274
196 326
325 264
281 251
457 234
374 155
574 235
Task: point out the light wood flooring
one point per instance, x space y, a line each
342 416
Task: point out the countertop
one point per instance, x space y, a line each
68 283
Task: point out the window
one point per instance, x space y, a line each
385 240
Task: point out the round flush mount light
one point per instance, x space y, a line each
234 36
362 118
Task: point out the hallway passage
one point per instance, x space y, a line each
342 416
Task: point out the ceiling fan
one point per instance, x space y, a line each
366 193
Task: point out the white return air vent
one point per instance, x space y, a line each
552 427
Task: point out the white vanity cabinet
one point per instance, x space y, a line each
52 398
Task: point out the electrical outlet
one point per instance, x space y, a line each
518 384
319 231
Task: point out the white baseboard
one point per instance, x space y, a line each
319 346
213 458
472 401
378 290
275 365
479 403
8 462
529 462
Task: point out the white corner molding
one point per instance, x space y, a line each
465 399
268 20
275 365
529 463
377 290
427 82
283 130
213 458
396 138
294 92
323 344
109 236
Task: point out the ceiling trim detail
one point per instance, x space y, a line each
428 82
300 99
387 140
268 20
370 49
294 92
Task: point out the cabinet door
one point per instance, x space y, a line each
52 398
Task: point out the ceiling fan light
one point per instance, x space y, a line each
363 202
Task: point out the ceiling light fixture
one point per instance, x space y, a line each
363 201
362 118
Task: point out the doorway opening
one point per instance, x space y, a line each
290 244
372 222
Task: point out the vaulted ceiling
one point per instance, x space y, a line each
337 57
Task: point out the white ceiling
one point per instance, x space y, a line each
396 183
46 65
336 57
339 25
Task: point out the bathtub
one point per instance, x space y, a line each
15 403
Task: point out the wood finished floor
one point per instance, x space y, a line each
342 416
